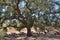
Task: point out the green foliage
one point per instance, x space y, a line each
38 13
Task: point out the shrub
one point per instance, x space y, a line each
2 34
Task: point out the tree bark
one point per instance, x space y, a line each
29 32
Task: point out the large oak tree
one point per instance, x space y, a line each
30 13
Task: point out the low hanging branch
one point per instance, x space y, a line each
5 4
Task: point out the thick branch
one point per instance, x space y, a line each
19 13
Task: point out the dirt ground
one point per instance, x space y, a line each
33 38
16 35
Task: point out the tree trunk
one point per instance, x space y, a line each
5 28
29 32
